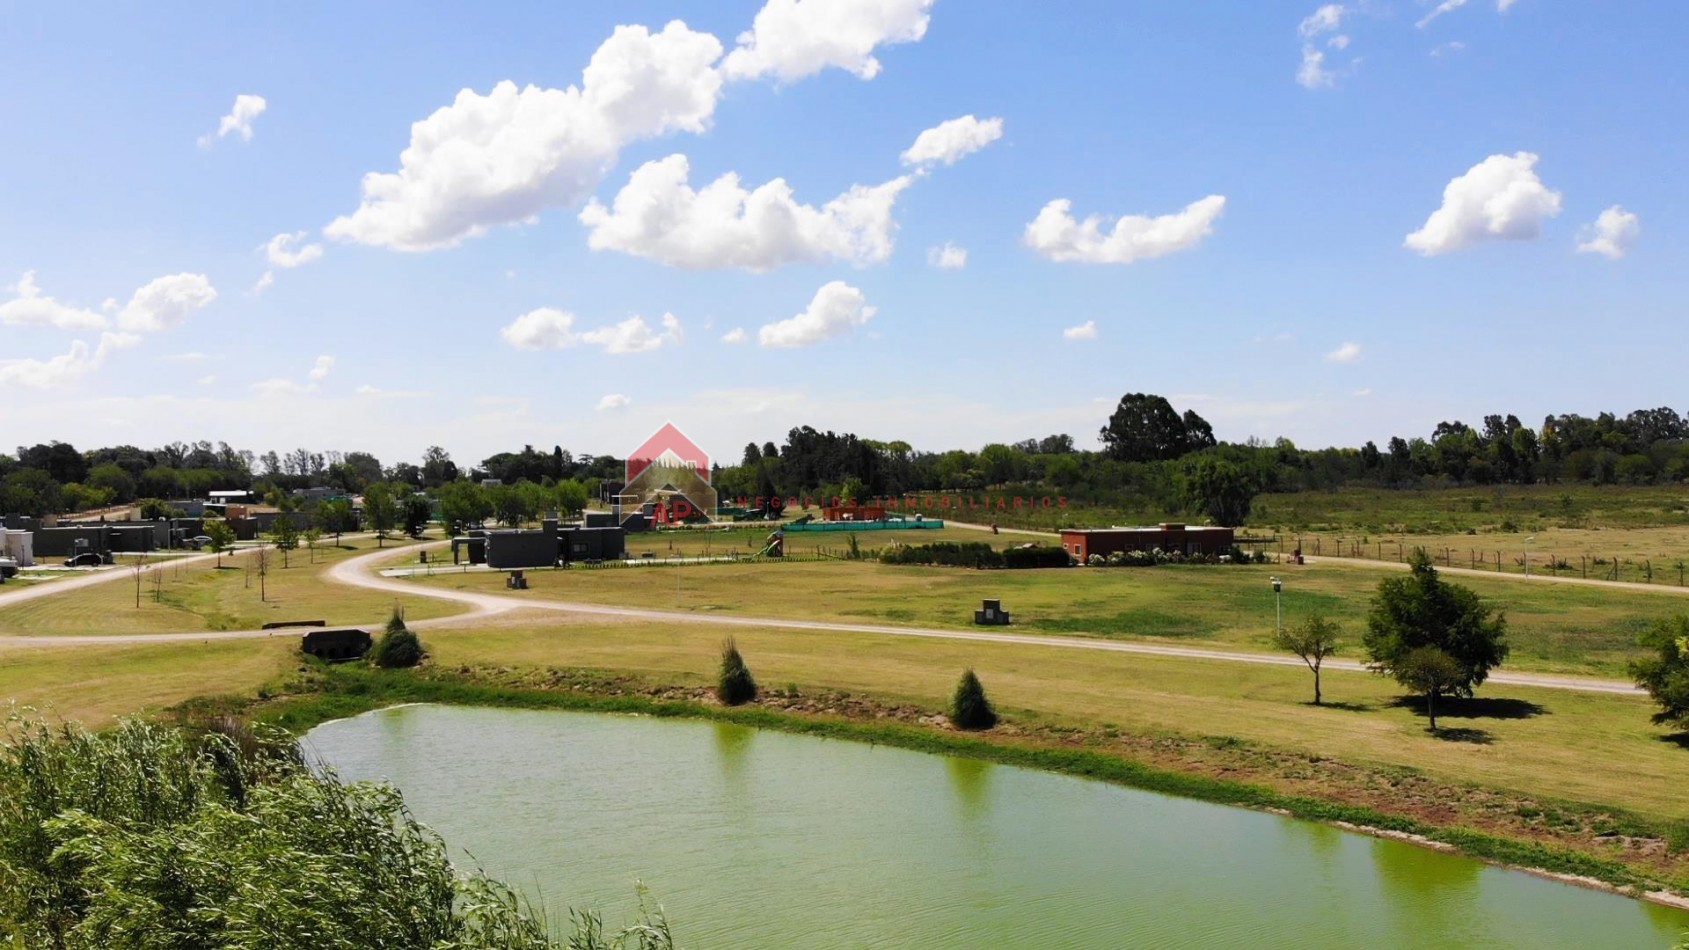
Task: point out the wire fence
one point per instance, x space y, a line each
1584 565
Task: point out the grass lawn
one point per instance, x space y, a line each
1553 628
201 596
95 685
1581 747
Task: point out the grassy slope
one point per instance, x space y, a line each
1560 628
96 685
1584 747
201 596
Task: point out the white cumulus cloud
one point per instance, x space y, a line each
612 402
1612 234
1055 234
836 309
735 335
947 256
791 39
321 368
242 114
503 157
634 335
291 250
949 142
658 215
1328 19
165 302
1348 352
1500 198
548 328
31 307
65 369
1084 331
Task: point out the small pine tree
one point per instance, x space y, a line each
734 687
398 647
969 709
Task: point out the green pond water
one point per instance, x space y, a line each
759 839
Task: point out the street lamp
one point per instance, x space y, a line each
1278 606
1528 554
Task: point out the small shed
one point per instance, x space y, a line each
991 614
336 646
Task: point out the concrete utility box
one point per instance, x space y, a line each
336 646
516 581
991 614
19 545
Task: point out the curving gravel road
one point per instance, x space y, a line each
355 572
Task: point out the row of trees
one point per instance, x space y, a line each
1154 457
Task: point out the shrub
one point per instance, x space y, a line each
735 686
969 709
137 837
945 554
1034 556
398 647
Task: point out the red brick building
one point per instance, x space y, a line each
1168 536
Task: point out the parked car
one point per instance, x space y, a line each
85 559
199 543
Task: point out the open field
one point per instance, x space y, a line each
1478 507
96 685
201 596
1559 628
1642 555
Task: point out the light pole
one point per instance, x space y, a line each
1528 554
1278 606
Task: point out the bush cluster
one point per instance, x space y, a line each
1156 556
152 836
969 709
976 554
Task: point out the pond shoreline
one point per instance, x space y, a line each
342 692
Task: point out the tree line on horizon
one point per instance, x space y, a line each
1152 456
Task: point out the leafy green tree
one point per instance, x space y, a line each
112 477
1219 488
1419 609
1666 674
312 537
1313 640
284 534
1145 428
969 709
462 503
335 515
734 684
381 510
414 513
1430 672
222 537
570 496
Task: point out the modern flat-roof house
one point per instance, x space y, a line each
1167 536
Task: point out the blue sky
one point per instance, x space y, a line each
1298 308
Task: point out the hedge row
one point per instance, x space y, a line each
975 554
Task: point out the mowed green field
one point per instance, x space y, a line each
202 596
1561 628
96 685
